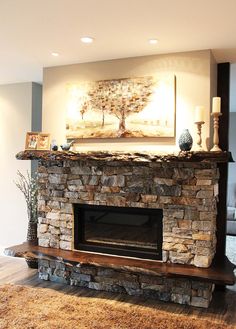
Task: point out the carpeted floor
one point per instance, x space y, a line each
24 307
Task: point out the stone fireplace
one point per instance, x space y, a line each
185 192
154 207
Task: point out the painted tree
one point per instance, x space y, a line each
120 98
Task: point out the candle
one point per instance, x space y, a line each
199 114
216 104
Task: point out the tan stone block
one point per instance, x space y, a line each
204 182
180 258
42 228
148 198
203 225
202 236
202 261
54 230
165 200
186 201
181 232
203 251
178 247
206 173
53 215
207 215
184 224
204 194
110 189
186 242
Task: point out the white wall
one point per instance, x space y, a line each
15 121
193 71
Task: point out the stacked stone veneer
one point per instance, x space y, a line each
182 291
187 193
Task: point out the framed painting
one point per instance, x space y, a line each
122 108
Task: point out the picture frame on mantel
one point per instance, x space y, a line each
43 142
122 108
37 141
31 140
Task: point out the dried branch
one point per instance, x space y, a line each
28 186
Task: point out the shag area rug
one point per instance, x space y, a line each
38 308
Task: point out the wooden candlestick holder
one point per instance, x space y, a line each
216 147
199 133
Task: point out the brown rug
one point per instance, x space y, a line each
38 308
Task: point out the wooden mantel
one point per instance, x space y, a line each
217 157
221 274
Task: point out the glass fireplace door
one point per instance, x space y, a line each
125 231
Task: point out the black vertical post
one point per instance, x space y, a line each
223 91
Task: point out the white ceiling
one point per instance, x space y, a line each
31 29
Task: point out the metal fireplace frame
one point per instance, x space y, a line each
81 244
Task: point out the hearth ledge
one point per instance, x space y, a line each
218 273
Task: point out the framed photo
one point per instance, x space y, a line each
43 142
31 140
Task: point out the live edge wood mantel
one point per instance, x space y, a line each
221 274
218 157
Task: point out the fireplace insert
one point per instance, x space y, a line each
133 232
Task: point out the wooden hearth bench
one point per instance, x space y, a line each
218 273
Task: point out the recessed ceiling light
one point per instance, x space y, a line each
153 41
54 54
86 39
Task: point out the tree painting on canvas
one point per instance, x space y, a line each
133 107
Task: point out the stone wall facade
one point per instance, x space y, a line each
178 290
187 192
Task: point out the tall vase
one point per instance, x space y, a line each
32 232
185 141
31 238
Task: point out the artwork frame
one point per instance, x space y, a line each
31 140
130 107
43 141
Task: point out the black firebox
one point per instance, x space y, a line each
133 232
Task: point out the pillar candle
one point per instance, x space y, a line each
216 104
199 114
